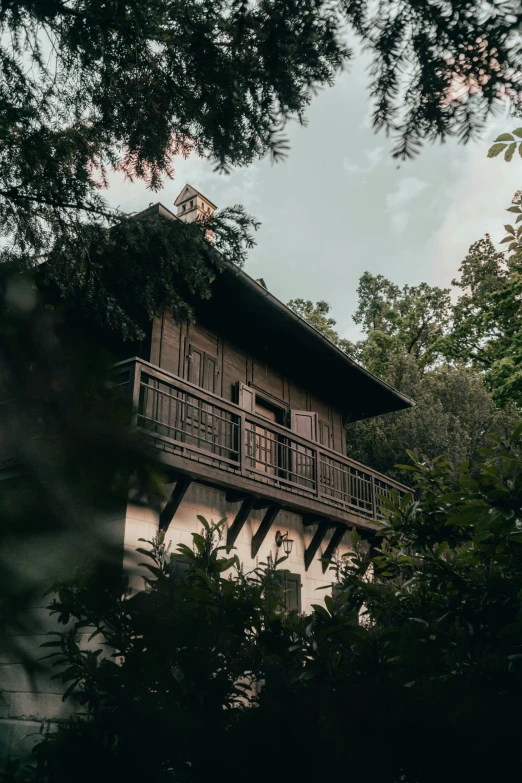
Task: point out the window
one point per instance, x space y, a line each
184 207
289 588
179 570
202 369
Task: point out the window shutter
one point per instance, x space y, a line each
324 433
293 593
304 423
246 397
195 366
209 373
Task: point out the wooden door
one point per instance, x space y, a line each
266 441
304 423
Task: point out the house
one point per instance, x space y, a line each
247 408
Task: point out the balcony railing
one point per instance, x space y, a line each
190 422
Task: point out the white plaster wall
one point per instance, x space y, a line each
142 522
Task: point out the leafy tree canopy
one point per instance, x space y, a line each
459 361
410 320
317 315
487 319
87 86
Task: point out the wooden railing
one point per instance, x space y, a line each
183 419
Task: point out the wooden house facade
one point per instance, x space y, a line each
248 407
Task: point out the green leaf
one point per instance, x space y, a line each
320 610
495 150
509 229
452 497
506 239
468 516
504 137
517 432
513 209
508 155
518 132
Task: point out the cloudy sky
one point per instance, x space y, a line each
339 205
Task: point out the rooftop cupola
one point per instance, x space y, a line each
192 205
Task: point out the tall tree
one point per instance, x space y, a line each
318 316
411 320
487 319
414 338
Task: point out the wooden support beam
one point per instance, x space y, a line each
264 503
315 543
233 495
178 493
264 528
240 519
335 540
309 519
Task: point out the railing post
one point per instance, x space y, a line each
242 444
135 382
317 471
374 502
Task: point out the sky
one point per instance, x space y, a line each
339 205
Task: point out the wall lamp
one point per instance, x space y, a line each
282 538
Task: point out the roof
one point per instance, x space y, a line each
189 191
247 312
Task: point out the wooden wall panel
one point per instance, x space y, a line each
265 377
170 345
321 407
234 369
203 338
297 397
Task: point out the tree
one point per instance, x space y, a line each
452 416
89 86
317 316
410 321
487 318
408 333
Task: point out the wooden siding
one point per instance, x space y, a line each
235 364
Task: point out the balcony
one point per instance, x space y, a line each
205 438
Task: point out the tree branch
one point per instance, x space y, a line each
13 195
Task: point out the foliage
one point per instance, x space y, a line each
410 321
89 86
452 415
176 692
458 362
506 143
317 316
172 667
487 319
173 263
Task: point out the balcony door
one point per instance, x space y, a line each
266 440
262 444
304 423
199 422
